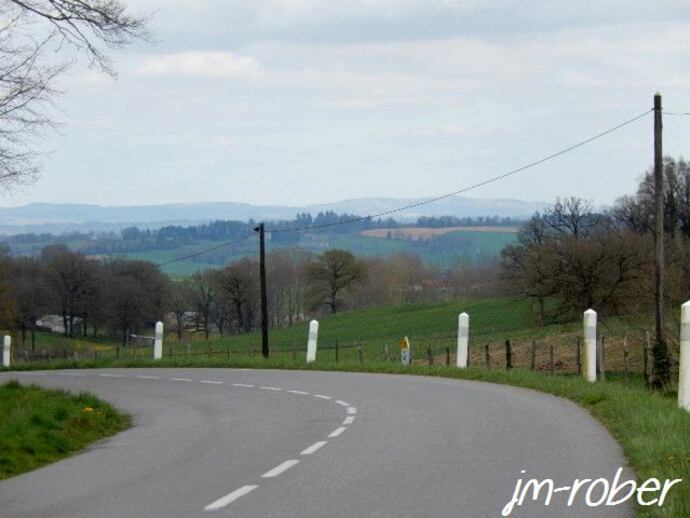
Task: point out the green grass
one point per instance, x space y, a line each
653 432
41 426
445 251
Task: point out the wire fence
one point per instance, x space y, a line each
561 353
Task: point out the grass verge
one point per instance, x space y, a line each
653 432
40 426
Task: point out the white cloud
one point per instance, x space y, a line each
200 64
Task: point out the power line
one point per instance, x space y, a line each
680 114
406 207
177 259
474 186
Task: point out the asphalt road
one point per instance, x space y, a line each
291 444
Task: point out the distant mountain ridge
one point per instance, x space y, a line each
66 217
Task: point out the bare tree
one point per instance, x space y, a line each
203 297
32 34
136 291
331 275
578 258
30 295
239 291
70 277
178 302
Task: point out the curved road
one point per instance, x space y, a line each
294 444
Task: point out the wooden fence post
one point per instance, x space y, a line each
336 351
533 357
552 365
509 355
625 357
600 363
447 355
360 353
429 356
578 355
487 356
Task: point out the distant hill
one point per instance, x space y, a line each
65 217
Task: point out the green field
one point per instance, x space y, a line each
652 431
446 251
40 426
378 332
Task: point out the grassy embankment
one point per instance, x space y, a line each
653 432
41 426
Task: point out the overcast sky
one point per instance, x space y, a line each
306 101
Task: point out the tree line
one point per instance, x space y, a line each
116 298
170 237
579 258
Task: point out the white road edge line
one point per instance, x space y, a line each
314 447
300 392
149 377
280 468
181 379
112 375
336 432
342 403
212 382
248 385
271 388
351 410
349 419
230 498
321 396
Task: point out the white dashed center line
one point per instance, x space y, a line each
336 432
314 447
280 468
230 498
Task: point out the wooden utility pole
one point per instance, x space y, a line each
660 361
264 297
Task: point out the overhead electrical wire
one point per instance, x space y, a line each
412 205
473 186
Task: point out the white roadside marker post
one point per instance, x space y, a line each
158 342
312 341
405 351
463 340
6 344
590 334
684 363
